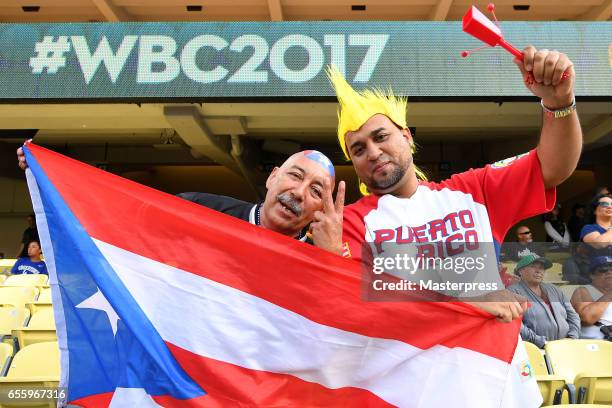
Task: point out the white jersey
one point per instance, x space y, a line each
479 205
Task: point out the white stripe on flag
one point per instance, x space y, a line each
223 323
132 397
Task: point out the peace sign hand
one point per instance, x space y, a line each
326 228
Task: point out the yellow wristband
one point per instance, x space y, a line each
559 113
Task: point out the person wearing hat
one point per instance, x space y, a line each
551 316
593 302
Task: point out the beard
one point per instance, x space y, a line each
392 177
389 180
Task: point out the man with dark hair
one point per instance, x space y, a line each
480 204
29 234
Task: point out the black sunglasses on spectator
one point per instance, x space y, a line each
525 233
603 270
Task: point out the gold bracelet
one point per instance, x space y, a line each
559 113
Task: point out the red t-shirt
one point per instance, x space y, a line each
479 204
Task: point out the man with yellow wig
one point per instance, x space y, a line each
480 205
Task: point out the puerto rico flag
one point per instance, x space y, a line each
161 302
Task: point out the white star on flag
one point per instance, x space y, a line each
99 302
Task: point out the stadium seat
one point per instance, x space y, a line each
585 366
37 365
41 328
576 406
556 268
568 290
536 358
510 267
551 386
6 265
6 352
557 257
2 279
26 280
17 295
554 277
34 307
45 295
12 317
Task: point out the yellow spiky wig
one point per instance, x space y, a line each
355 108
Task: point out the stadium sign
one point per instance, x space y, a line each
286 59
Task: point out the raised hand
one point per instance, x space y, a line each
326 228
21 160
546 82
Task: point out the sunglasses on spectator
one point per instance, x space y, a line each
604 204
607 269
525 233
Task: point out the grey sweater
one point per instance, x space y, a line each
539 324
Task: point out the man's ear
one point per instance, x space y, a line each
272 177
406 133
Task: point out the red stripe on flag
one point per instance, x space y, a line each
104 400
94 401
321 286
229 385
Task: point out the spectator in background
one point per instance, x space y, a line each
598 234
604 190
524 245
29 234
551 316
575 269
31 264
576 222
556 230
592 302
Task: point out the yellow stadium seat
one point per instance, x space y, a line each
37 365
576 406
536 358
2 279
510 267
6 352
551 386
6 265
568 290
12 317
557 257
585 364
26 280
45 295
17 295
41 328
34 307
554 276
36 360
556 268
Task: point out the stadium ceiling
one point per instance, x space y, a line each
32 11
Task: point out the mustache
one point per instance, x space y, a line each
290 202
